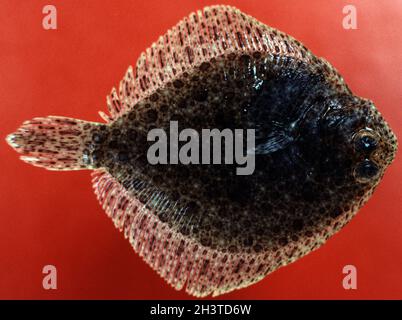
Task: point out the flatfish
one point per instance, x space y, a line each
319 152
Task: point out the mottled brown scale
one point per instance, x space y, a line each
294 190
320 152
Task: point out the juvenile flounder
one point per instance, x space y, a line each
320 152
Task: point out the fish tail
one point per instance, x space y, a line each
53 143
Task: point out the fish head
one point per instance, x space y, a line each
358 135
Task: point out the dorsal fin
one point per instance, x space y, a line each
203 35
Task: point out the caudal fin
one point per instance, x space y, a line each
54 143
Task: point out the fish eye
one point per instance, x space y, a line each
366 170
366 142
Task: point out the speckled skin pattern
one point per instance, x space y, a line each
311 177
320 152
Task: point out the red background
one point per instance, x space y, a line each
53 217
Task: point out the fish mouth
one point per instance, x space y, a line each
387 136
394 145
391 143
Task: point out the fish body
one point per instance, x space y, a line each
319 150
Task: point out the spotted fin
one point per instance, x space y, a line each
203 35
54 143
178 259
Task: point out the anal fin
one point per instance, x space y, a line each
180 260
